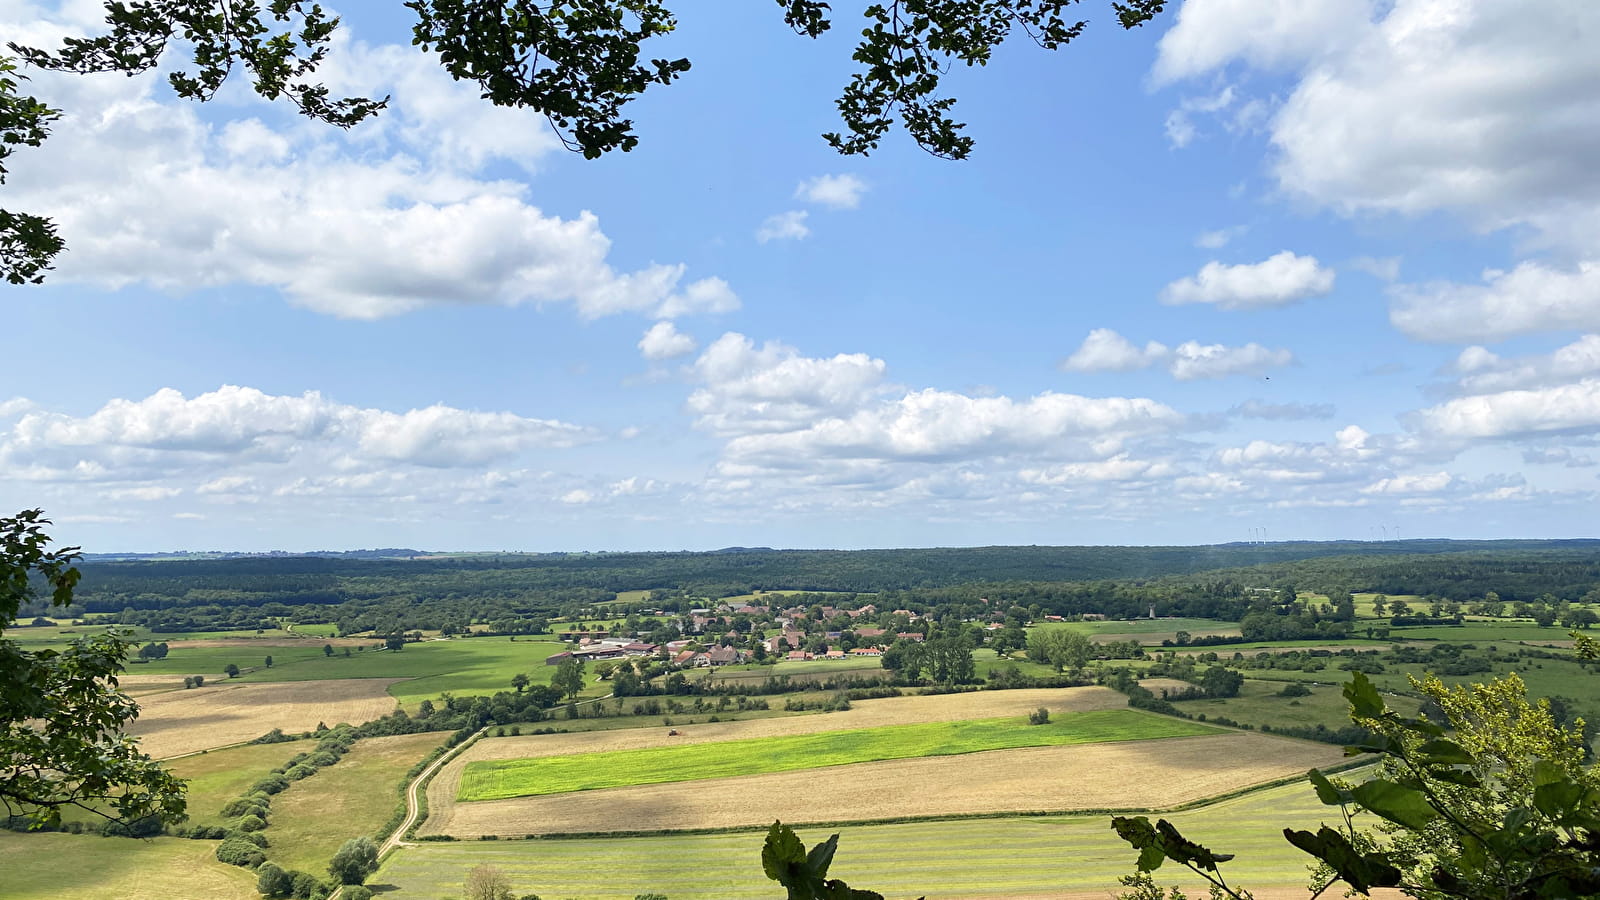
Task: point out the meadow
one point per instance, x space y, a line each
54 865
502 779
1032 857
357 796
463 667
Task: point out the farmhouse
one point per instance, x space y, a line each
865 652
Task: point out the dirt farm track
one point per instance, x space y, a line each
1134 774
187 721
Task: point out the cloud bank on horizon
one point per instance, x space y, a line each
1356 282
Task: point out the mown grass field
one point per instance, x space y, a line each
218 777
462 667
502 779
354 797
52 866
991 858
1258 704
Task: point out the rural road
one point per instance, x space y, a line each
414 789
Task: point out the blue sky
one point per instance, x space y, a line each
1316 269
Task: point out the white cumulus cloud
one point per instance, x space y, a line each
665 341
832 191
1279 280
785 226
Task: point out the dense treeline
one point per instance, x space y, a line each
515 594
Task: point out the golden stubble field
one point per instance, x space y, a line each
1142 774
188 721
1150 774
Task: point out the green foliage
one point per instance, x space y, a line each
805 874
236 852
1221 682
61 716
568 678
356 892
1502 809
500 779
273 881
1060 648
27 243
1040 716
354 861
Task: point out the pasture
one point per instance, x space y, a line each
1131 774
466 666
204 718
354 797
54 865
1056 857
501 779
220 776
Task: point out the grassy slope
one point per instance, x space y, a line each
499 779
315 816
218 777
121 868
990 857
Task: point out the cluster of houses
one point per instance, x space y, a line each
790 643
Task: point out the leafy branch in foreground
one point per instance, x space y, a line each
1499 805
579 63
61 715
805 874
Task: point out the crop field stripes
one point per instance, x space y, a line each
504 779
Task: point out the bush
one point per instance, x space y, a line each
305 885
272 784
254 837
322 758
356 860
236 852
250 823
1040 716
299 772
357 892
147 826
245 806
273 880
1295 689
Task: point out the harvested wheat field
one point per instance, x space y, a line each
862 714
141 685
188 721
1129 775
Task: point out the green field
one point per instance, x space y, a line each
52 866
1031 857
500 779
1146 626
466 666
1483 630
1258 704
217 777
354 797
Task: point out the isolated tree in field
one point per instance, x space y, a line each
568 678
577 62
394 642
61 715
230 670
355 861
1060 648
269 662
1219 681
520 682
327 650
487 882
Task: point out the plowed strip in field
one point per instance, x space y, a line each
1137 774
186 721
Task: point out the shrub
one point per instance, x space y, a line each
299 772
273 880
357 892
236 852
322 758
356 860
250 823
1295 689
272 784
305 885
245 806
1040 716
146 826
